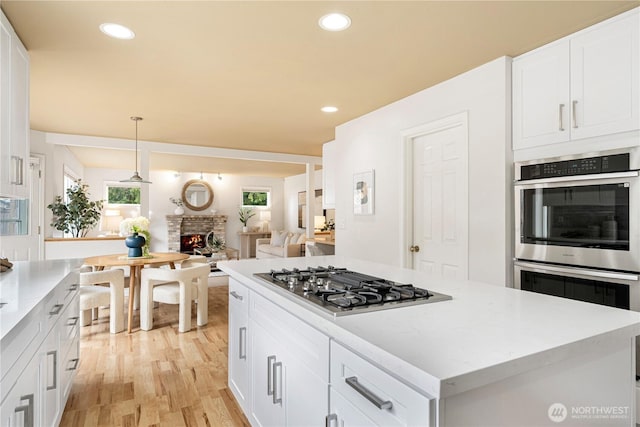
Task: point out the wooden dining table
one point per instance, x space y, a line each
135 265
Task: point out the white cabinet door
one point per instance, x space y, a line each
14 113
304 393
344 414
585 85
50 379
21 407
267 407
541 97
238 343
604 80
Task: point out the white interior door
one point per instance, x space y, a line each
440 198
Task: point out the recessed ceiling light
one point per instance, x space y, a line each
329 109
117 31
334 22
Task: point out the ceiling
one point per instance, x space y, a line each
254 75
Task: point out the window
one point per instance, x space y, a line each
68 181
117 194
256 197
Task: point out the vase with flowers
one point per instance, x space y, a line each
138 236
179 210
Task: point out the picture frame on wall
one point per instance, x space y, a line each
363 193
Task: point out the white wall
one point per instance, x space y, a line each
292 186
374 141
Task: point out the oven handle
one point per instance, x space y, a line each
630 174
579 271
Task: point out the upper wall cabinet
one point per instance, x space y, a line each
14 113
329 157
582 86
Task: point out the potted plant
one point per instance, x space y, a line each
79 214
244 214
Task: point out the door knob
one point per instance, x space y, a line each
414 248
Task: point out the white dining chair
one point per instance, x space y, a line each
179 286
93 296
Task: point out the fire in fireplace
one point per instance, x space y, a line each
189 242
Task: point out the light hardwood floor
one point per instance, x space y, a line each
158 377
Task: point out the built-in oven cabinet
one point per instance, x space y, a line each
584 85
289 367
363 394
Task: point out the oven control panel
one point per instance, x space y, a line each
588 166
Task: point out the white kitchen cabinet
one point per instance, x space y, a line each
289 368
361 391
344 414
329 159
39 358
21 407
238 343
585 85
14 113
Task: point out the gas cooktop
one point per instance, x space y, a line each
339 291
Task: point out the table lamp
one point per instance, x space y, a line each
111 222
318 222
265 217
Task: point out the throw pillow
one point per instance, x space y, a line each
301 239
277 238
293 238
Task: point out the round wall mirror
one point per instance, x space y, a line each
197 194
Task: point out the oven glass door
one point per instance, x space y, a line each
588 216
590 221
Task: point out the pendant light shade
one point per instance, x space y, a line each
136 176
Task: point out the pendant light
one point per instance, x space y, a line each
136 176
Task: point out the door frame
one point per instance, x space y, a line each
38 228
406 206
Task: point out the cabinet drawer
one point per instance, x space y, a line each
238 295
68 368
18 345
310 345
69 325
376 394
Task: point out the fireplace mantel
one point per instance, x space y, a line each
192 224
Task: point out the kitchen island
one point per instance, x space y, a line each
489 356
39 340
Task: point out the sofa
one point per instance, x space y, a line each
282 244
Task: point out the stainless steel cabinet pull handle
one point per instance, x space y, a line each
270 361
73 321
18 170
367 394
573 114
75 364
73 287
56 309
242 339
329 419
236 295
27 409
54 353
560 124
277 367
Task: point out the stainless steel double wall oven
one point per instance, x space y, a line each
577 227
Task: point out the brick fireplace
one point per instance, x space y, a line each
180 225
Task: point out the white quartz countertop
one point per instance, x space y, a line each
484 334
26 284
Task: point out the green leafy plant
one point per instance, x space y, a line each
244 214
79 214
